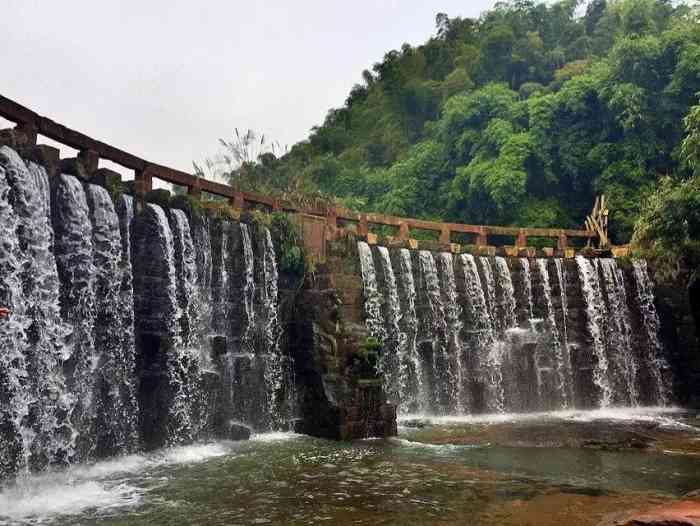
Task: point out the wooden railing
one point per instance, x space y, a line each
30 125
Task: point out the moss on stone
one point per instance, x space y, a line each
189 204
160 197
220 210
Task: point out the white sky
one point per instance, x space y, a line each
164 79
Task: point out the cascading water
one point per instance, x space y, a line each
392 362
434 322
489 338
108 346
596 312
413 390
553 339
373 301
653 352
623 365
274 365
248 289
482 338
455 351
35 426
506 303
114 339
77 272
527 286
564 312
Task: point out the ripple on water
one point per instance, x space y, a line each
98 487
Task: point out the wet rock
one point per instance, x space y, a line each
682 513
237 431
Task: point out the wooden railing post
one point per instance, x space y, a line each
237 201
29 132
194 191
332 219
143 183
90 160
363 226
445 235
562 243
521 240
482 238
403 231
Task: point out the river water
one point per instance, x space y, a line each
583 467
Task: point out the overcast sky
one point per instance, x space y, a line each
164 79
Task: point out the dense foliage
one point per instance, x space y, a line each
668 229
519 117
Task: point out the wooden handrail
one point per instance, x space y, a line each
27 120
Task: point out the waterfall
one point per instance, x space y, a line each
413 390
116 409
562 372
596 312
527 285
623 365
653 350
76 269
248 289
373 301
506 303
483 338
186 278
492 361
35 407
436 320
453 312
219 241
566 352
273 370
391 363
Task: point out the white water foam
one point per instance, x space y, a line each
102 486
275 436
665 416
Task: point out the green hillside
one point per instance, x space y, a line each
518 117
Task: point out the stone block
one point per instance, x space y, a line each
548 252
455 248
413 244
621 251
106 177
43 155
371 238
508 251
73 166
487 250
527 252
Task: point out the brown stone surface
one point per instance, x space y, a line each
681 513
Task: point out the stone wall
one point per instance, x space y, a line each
340 395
